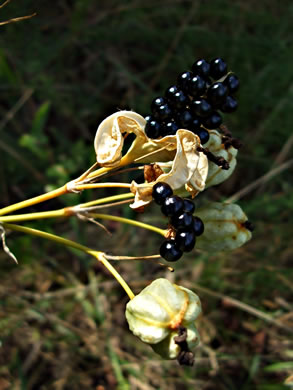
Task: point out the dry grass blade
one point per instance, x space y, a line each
263 179
13 20
243 306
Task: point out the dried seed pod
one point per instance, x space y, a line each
189 168
225 227
217 174
157 312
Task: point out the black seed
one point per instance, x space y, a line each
148 118
197 86
195 124
184 79
161 191
170 251
232 82
172 205
217 93
185 240
184 220
184 119
189 206
201 67
201 107
162 112
230 104
198 226
212 121
170 92
153 129
178 100
218 68
203 134
157 102
170 128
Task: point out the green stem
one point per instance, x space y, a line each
37 199
66 212
63 241
129 221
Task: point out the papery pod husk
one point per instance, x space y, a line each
159 309
109 141
216 174
224 227
188 169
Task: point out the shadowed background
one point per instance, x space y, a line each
62 323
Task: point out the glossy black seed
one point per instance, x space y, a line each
201 67
184 119
197 226
195 124
218 68
178 100
172 205
153 129
217 93
184 79
185 240
161 191
212 121
163 112
232 82
148 118
184 220
157 102
169 128
170 92
230 104
189 206
169 251
203 134
201 107
197 86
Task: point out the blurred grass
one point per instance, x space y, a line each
62 320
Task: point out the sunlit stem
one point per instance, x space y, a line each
65 212
38 199
80 187
125 160
129 221
63 241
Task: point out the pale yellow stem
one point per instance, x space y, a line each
80 187
130 222
38 199
63 241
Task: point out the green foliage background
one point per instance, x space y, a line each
61 73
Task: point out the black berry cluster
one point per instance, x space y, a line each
193 103
180 211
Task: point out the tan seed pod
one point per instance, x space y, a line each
216 174
158 311
225 227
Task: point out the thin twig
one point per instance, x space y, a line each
13 20
80 209
243 306
11 113
5 3
263 179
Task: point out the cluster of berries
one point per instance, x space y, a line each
193 102
186 225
